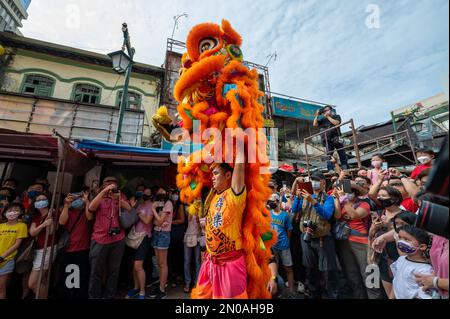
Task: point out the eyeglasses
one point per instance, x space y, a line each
396 184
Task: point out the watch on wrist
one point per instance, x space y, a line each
436 282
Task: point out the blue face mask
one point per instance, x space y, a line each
77 204
33 194
139 194
41 204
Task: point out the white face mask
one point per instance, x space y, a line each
12 215
316 185
424 159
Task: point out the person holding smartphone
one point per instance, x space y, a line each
326 119
108 239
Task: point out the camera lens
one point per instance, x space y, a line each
433 218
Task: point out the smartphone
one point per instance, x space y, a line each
325 158
307 186
346 184
385 166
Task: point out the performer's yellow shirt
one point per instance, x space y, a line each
224 222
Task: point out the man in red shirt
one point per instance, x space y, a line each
74 219
425 158
108 242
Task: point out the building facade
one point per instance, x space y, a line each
12 12
45 86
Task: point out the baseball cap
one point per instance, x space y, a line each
318 176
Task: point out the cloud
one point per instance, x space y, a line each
325 50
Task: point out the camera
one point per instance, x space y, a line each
310 227
159 209
114 231
321 112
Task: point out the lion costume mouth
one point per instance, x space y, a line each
201 71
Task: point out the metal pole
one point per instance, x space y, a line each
307 157
58 170
124 103
412 147
56 222
123 106
176 18
358 155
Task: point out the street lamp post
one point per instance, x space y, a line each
176 18
123 63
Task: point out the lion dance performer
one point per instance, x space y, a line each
218 91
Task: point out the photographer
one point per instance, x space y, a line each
325 119
73 218
319 253
108 243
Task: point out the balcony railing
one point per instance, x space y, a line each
31 114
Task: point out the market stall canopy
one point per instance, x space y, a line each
124 155
24 146
19 146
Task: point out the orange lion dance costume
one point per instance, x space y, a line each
218 90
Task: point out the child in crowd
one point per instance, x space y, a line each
281 222
413 243
11 235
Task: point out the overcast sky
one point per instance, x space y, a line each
368 57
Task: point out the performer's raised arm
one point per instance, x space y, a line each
238 180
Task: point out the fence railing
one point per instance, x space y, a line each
389 142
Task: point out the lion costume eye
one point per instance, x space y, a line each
207 44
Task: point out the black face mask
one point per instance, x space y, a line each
385 203
146 197
273 205
161 197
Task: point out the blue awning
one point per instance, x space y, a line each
129 156
118 148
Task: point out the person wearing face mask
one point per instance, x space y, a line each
413 243
388 201
74 219
319 254
42 225
281 223
163 214
137 196
326 119
11 235
352 252
144 225
4 201
425 158
29 196
374 174
407 187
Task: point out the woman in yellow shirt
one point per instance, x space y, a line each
11 234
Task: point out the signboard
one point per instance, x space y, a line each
294 109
